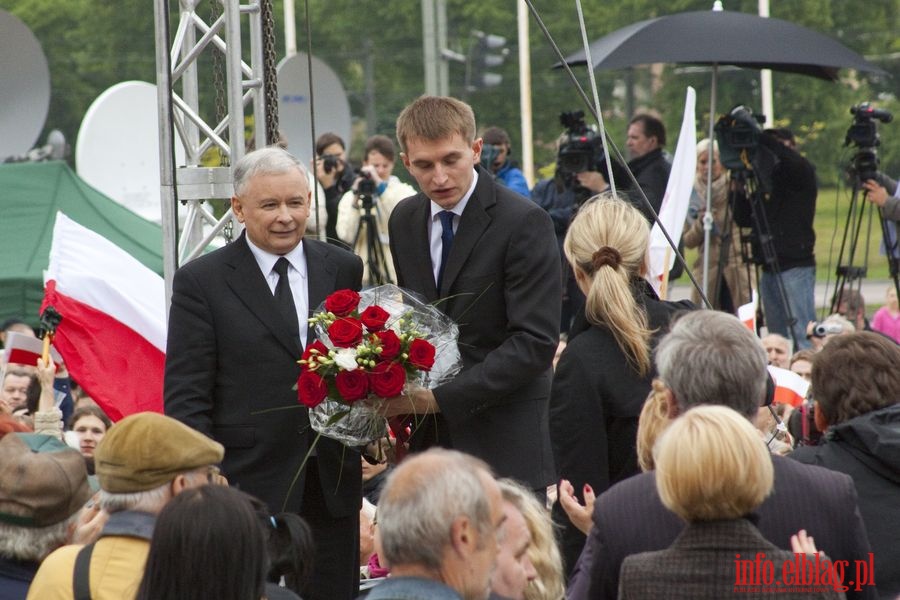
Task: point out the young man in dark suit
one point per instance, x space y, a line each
488 259
237 327
710 357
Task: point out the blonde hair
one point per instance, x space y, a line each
711 464
435 118
607 242
653 421
543 551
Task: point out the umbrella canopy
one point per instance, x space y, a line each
724 38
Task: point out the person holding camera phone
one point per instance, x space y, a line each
375 191
336 178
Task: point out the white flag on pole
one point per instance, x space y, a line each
675 203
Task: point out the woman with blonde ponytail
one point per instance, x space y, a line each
604 375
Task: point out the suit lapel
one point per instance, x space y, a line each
249 284
322 276
472 225
422 246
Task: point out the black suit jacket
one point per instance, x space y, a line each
502 287
630 518
231 365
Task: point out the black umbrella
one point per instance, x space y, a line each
718 37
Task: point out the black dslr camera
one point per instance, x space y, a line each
365 189
330 162
863 134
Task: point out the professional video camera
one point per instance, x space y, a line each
863 133
582 148
738 137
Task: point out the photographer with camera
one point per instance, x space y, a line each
495 157
581 173
780 210
331 169
363 211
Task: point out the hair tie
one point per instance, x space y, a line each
606 256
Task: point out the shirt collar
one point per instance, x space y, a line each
266 260
461 205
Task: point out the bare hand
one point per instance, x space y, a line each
45 374
592 180
802 543
418 401
579 514
90 522
877 194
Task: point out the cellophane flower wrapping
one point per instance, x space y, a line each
356 423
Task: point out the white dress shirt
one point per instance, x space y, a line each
435 229
297 278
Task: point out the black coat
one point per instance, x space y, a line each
867 449
596 399
652 173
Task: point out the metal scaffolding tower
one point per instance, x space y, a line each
237 87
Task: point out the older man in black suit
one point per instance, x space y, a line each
712 358
237 326
487 258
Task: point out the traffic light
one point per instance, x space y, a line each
488 51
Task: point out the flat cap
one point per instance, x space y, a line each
146 450
42 481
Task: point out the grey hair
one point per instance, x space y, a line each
710 357
421 499
271 160
150 501
34 543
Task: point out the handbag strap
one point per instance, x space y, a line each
81 577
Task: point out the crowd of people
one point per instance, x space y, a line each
599 441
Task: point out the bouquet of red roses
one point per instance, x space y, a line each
371 345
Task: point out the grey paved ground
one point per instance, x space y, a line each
872 290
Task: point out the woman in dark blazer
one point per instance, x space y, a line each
604 375
713 471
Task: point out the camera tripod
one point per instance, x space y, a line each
849 274
763 250
376 263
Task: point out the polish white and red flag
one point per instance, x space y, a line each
674 207
790 388
112 335
747 312
22 349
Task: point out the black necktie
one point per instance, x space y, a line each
446 242
284 298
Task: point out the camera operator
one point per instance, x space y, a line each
787 191
646 139
495 157
383 193
335 176
581 173
882 192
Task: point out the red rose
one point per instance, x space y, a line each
345 333
352 385
311 389
374 318
342 302
421 355
387 379
308 354
390 344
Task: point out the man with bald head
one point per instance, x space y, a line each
438 518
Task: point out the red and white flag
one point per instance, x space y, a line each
112 335
21 349
747 312
790 388
673 210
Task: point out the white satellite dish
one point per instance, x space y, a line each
118 147
332 107
25 91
